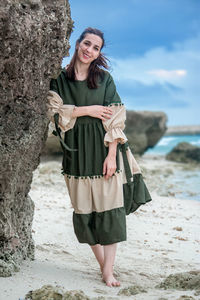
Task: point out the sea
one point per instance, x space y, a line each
186 183
166 143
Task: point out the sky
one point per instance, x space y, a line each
153 47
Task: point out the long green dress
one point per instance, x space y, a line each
99 215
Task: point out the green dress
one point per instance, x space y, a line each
99 215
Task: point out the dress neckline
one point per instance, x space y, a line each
76 80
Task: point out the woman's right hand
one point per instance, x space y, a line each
99 111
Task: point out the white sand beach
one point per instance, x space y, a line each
163 239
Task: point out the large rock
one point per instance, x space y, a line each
132 290
182 281
184 152
144 129
47 292
33 40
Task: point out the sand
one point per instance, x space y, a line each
163 239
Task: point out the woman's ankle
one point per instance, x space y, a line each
107 270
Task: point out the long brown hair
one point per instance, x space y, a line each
96 67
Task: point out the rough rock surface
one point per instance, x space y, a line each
186 297
33 40
132 290
57 293
184 152
182 281
143 129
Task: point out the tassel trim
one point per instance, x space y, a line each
116 104
86 177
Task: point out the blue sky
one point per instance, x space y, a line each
154 52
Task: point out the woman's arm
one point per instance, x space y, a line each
112 149
109 166
96 111
68 113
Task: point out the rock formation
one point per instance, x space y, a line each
182 281
132 290
57 293
184 152
144 129
33 40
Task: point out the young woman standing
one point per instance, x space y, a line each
92 117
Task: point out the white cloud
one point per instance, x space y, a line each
167 74
174 71
179 66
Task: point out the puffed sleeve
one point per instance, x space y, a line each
115 125
55 105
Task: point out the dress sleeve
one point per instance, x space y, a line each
55 105
111 95
115 125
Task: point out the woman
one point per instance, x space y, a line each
92 117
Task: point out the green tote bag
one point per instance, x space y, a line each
135 191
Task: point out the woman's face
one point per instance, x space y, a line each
89 48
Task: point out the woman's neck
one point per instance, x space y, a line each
81 70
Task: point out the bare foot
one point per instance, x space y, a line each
110 280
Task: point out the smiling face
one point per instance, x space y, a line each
89 48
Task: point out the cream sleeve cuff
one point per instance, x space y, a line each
55 105
115 125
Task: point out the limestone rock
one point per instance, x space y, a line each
182 281
144 129
184 152
186 297
48 292
132 290
33 40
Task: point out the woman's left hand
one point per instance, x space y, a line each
109 166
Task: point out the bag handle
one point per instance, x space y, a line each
129 176
57 133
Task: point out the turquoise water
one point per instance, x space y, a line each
166 143
183 183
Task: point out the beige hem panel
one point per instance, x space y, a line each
97 194
55 105
115 125
135 168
